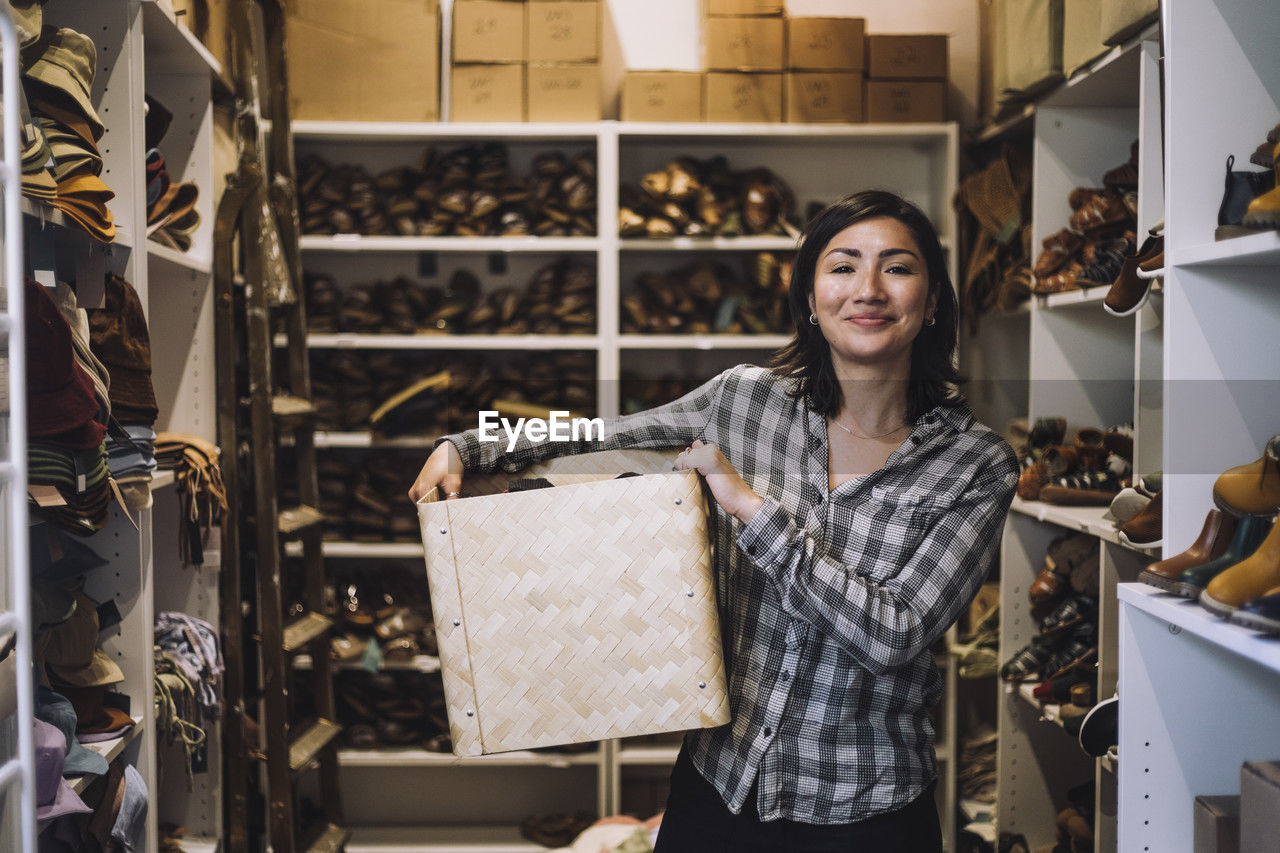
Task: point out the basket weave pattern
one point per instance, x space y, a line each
577 613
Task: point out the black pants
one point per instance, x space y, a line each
697 821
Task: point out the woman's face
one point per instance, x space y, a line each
871 294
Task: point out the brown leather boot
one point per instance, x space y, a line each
1247 580
1147 527
1210 545
1252 489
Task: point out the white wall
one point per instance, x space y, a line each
667 34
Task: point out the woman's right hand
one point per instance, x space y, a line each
443 469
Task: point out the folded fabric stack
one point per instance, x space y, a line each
194 462
705 198
61 162
119 338
464 192
977 769
67 411
188 672
1088 472
171 208
1100 234
559 299
406 393
705 297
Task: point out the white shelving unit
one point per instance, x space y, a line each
820 163
1064 356
1200 696
142 50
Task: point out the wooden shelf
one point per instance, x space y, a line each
920 132
110 750
766 243
47 215
703 342
169 260
1088 297
363 550
162 478
172 48
1182 614
326 438
470 245
419 663
656 756
423 758
1086 519
364 131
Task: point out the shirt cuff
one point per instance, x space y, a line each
765 537
469 449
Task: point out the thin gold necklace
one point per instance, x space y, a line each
858 435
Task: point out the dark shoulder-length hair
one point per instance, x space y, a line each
807 358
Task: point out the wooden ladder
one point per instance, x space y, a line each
256 412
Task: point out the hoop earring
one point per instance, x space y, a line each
813 319
930 321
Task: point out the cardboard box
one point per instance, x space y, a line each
563 627
814 96
741 97
564 31
745 44
1217 825
1259 806
661 96
907 57
1034 54
1081 33
487 93
562 93
826 44
1123 19
355 61
489 31
746 7
896 101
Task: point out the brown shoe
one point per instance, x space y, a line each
1129 291
1058 249
1252 489
1253 578
1209 545
1146 529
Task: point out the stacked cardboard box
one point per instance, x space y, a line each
564 60
907 78
356 61
745 45
826 58
489 53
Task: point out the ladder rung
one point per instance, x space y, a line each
307 745
289 408
304 629
298 518
331 840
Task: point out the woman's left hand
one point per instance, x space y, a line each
730 490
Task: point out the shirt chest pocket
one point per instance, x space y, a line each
876 534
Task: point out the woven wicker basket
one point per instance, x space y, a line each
577 613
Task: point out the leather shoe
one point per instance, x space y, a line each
1146 529
1211 544
1250 531
1252 489
1252 578
1261 614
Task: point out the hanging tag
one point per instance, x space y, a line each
42 257
372 659
195 544
46 496
91 278
213 550
124 507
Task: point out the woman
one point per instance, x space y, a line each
859 509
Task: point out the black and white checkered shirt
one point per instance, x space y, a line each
830 599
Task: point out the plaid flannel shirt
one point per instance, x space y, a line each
830 599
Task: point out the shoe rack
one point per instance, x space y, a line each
1199 695
1063 355
142 49
445 802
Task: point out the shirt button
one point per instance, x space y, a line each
768 732
784 675
751 549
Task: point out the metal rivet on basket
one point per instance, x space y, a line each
443 530
702 684
470 713
689 593
678 502
457 623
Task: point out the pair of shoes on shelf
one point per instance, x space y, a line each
704 198
1251 200
1132 283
